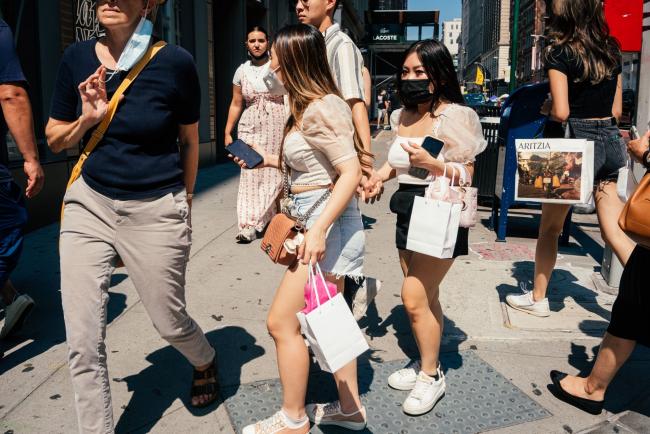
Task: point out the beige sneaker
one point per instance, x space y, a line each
331 414
275 424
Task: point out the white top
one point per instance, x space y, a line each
324 140
398 159
458 126
254 74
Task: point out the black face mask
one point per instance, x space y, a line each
414 92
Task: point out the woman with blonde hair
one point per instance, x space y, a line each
133 198
321 156
584 67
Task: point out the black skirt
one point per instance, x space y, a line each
631 310
401 203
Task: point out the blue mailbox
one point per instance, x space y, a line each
520 119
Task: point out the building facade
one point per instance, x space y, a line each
451 31
388 5
496 58
485 43
533 19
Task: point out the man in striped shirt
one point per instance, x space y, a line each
346 63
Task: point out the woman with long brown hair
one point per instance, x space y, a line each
321 154
584 69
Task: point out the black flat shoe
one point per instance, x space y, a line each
588 405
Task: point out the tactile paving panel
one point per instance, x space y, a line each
477 399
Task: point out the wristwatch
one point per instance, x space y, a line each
645 160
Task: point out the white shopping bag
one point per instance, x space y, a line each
433 227
554 170
627 181
332 332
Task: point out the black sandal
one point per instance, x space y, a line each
584 404
211 389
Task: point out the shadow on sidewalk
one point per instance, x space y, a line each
38 275
630 388
563 284
168 378
452 336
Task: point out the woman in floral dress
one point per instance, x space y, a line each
261 117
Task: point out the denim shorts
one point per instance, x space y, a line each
345 244
13 217
609 148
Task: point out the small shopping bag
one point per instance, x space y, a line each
433 227
317 291
627 181
332 332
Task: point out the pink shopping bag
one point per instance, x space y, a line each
317 287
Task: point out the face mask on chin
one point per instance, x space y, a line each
415 92
273 83
137 45
260 57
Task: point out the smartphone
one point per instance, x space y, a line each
241 150
634 133
433 146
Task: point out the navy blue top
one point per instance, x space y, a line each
138 156
10 72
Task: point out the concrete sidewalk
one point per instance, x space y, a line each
230 287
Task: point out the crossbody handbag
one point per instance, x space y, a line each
635 218
284 226
98 134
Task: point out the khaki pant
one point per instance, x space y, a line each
153 238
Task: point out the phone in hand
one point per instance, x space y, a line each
248 155
433 146
634 133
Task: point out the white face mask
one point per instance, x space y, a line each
273 83
137 45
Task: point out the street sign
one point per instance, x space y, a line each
391 33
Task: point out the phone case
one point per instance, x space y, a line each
241 150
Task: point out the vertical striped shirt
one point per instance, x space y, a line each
345 61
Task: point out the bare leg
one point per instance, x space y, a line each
613 353
420 292
550 228
609 208
9 293
293 358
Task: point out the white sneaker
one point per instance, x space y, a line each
526 303
276 424
247 235
15 314
331 414
405 378
425 395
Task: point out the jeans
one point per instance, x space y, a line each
609 148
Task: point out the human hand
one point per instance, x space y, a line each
227 140
418 157
257 149
94 101
312 249
637 147
371 188
35 177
